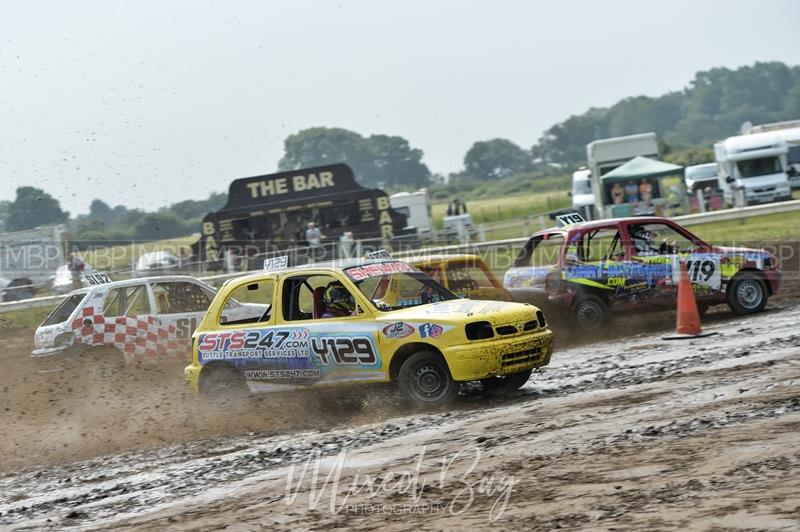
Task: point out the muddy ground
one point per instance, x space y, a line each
632 432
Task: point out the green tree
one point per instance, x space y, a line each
4 205
196 209
379 160
33 207
566 142
100 210
713 106
158 225
321 145
495 159
396 163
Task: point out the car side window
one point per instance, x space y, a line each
541 250
467 276
316 296
658 239
248 303
127 301
594 246
180 296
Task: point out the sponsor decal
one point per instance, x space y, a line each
398 330
346 350
430 330
265 343
274 374
377 270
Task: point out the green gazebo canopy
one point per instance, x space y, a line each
640 168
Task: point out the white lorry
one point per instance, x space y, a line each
417 208
752 169
789 131
582 195
605 155
29 259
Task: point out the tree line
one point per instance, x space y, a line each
712 106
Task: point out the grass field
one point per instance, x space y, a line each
24 319
770 227
506 208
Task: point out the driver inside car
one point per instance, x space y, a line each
337 301
644 241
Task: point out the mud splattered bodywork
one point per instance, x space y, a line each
631 263
146 320
395 311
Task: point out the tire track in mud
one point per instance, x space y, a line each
83 493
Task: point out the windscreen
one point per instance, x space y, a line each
396 285
581 186
794 155
62 312
758 167
702 172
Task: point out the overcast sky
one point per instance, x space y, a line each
148 103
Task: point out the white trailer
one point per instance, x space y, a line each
29 259
605 155
417 208
789 131
752 169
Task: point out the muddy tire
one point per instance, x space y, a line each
500 386
747 294
425 380
222 381
589 313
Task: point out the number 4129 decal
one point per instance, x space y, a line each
344 350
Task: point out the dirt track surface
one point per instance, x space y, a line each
634 433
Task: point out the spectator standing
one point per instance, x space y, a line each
314 239
76 267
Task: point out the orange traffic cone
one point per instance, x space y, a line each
688 319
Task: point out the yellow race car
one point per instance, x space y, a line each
366 321
465 275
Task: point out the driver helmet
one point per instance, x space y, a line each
338 299
639 233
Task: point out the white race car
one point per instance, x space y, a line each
130 322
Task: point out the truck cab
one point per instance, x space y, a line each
582 194
753 167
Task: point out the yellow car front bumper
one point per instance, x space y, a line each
499 356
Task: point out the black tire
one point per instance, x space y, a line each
222 381
425 380
500 386
747 294
589 313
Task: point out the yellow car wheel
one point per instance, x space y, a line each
425 380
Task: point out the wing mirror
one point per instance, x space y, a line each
729 179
